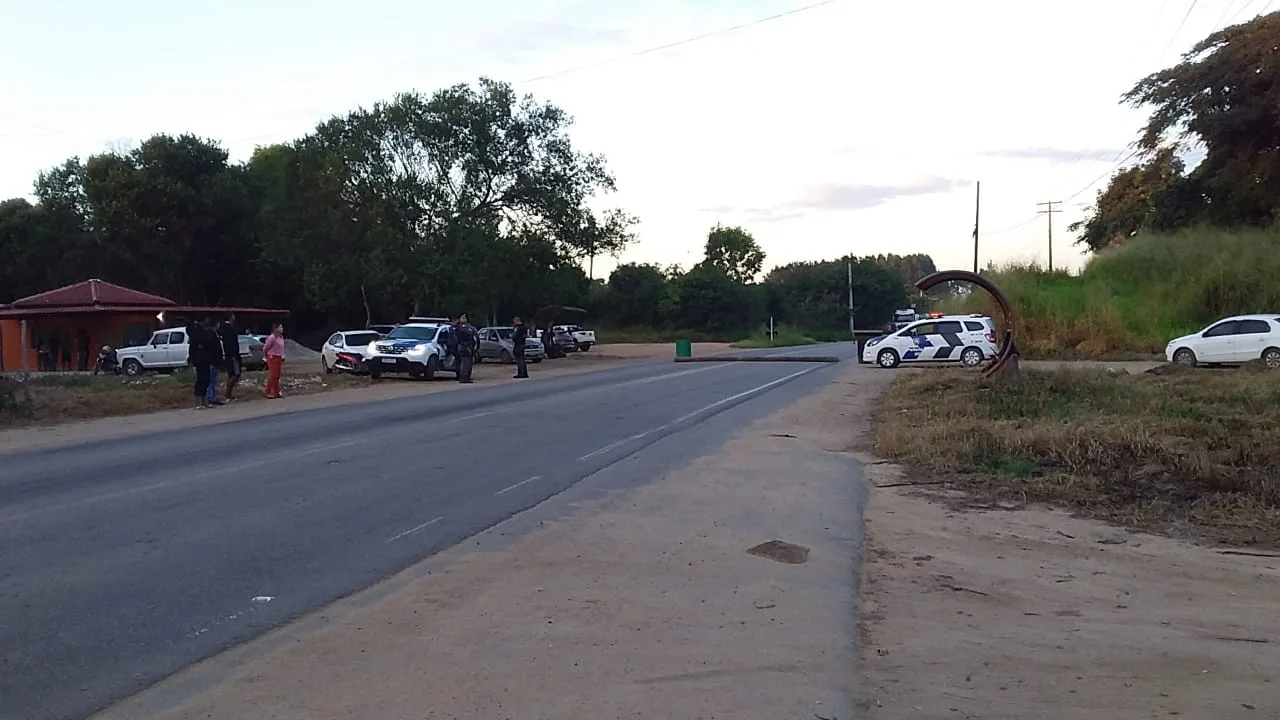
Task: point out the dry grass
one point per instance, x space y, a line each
1191 452
51 400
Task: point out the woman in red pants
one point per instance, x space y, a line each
273 350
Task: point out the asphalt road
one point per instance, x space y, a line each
123 561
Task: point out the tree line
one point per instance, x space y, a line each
1222 98
470 198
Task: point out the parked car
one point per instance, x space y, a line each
563 341
416 349
496 344
348 341
167 350
254 358
584 339
967 339
1230 341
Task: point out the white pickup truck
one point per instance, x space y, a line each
584 338
166 350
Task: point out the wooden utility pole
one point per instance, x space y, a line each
977 207
851 327
1050 210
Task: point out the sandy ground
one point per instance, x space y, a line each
1030 613
642 605
488 373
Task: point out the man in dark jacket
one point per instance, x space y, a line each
467 340
216 358
229 337
518 339
198 358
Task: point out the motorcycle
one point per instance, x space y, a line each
348 362
107 362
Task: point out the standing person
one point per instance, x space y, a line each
468 341
273 351
216 359
82 350
518 339
230 337
198 358
66 351
55 344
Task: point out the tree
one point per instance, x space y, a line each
1131 202
735 252
635 294
1225 96
815 295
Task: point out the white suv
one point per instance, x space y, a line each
966 339
417 349
166 350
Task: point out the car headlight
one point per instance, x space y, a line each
373 348
872 341
418 350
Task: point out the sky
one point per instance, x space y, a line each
852 126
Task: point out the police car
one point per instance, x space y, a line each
966 339
417 349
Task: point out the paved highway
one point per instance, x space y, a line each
122 561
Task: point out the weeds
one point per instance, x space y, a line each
785 337
1198 449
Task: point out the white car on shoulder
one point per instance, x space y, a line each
1230 341
419 350
167 350
582 337
966 339
351 341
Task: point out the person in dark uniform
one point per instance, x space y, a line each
229 336
468 341
198 358
518 339
82 350
216 359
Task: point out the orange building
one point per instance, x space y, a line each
62 329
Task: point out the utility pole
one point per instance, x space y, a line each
1050 210
977 207
851 328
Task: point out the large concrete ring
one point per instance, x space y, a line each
1007 348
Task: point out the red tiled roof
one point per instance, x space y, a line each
90 294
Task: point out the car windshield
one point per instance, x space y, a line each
361 338
408 332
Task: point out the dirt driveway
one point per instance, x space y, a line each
603 356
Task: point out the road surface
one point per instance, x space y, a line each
122 561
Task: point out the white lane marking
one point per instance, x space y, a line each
682 418
413 530
744 393
263 599
604 449
526 481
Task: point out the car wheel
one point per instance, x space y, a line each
1271 358
374 373
132 367
887 358
971 357
505 358
433 365
1185 357
324 363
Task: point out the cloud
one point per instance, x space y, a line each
1057 155
838 197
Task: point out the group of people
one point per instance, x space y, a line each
54 352
464 345
214 348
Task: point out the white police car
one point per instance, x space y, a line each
419 350
966 339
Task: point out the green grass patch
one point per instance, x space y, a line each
781 338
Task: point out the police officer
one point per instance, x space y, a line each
467 341
518 341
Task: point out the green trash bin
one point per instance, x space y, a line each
684 348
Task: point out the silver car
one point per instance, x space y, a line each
496 344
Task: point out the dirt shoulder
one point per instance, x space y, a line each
643 604
327 392
1028 612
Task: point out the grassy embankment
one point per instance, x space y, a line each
51 399
1130 301
1188 451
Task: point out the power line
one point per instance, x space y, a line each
678 43
1177 30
